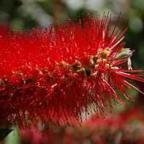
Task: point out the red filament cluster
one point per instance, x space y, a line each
56 73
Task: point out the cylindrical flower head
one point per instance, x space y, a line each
55 73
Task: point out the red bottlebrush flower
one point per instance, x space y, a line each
56 73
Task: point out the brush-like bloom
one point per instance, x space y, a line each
56 73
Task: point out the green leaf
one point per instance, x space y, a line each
4 132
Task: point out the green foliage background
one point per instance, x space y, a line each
26 14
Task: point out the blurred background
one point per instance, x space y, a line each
27 14
23 15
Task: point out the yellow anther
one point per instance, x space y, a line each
105 53
64 64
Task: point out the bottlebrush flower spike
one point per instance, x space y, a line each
56 73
